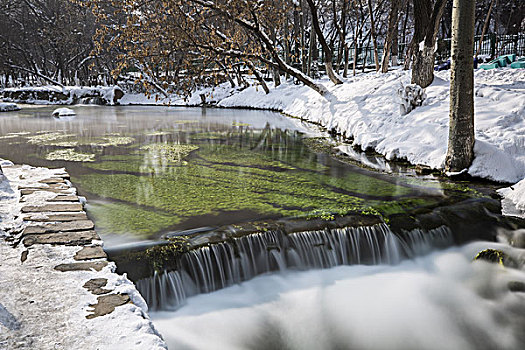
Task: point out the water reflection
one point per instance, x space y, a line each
149 170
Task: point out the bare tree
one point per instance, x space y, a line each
393 19
328 54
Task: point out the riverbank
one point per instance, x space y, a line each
57 289
366 110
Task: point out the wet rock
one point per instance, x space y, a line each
516 286
52 217
106 304
62 238
496 256
82 266
423 170
52 207
80 225
95 286
88 253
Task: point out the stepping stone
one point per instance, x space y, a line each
29 190
95 286
51 217
58 198
52 207
80 225
82 266
53 180
106 304
62 238
88 253
64 198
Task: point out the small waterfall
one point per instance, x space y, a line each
220 265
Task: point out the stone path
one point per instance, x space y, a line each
73 229
54 273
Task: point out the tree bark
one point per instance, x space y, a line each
328 55
423 67
391 33
461 130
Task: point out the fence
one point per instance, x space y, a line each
493 45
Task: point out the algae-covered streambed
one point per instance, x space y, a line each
150 170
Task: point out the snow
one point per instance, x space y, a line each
63 112
8 107
366 109
41 308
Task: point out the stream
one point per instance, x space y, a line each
246 230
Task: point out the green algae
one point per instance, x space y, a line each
122 218
48 137
223 179
169 152
69 154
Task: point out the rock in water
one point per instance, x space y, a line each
63 112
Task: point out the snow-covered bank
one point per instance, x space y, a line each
8 107
366 109
42 307
58 95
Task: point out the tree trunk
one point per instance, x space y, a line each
391 33
423 67
328 55
461 130
258 76
312 47
373 34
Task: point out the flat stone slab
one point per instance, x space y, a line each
62 238
30 190
95 286
53 180
82 266
80 225
88 253
59 198
52 217
52 207
64 198
106 304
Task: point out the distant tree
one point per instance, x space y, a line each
393 19
461 130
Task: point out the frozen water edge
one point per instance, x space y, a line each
50 307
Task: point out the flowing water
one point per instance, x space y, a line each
187 173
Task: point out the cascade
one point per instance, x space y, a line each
220 265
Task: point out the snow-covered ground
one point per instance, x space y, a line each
8 107
41 308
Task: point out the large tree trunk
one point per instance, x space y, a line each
427 19
328 55
391 33
461 130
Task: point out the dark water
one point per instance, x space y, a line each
150 170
